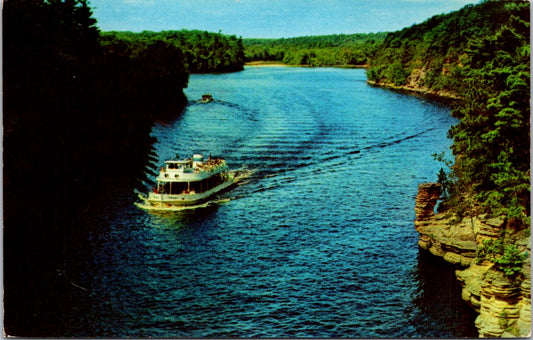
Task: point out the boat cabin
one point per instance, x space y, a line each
191 176
193 187
206 98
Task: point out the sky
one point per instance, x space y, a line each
268 18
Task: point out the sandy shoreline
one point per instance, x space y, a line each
278 64
265 63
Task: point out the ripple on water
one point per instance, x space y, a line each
318 243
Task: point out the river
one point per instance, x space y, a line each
318 242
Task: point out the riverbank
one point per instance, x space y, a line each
412 88
267 63
503 302
416 89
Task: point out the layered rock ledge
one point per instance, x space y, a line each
503 303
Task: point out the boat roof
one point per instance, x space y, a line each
178 162
191 169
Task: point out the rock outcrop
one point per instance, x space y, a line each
471 279
453 242
503 303
426 199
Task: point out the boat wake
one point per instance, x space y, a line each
241 175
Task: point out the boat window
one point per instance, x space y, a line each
178 188
206 184
172 188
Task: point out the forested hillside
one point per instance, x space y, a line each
67 90
62 73
325 50
201 51
480 53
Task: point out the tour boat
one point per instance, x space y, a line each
188 182
207 98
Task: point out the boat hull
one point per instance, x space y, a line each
171 202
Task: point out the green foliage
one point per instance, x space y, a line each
201 51
489 250
455 195
510 262
507 258
436 51
326 50
68 91
482 54
445 189
39 36
493 135
396 73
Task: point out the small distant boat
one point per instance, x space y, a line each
207 98
187 182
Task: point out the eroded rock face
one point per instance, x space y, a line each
471 280
523 325
426 199
453 242
503 303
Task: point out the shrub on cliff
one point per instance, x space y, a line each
511 261
489 250
507 258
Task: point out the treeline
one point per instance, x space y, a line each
62 73
480 53
66 91
325 50
201 52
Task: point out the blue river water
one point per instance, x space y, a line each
318 242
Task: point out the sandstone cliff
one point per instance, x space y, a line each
503 303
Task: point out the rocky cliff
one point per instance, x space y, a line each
503 302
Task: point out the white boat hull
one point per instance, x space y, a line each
170 202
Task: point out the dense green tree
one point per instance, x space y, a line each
493 136
480 53
202 51
326 50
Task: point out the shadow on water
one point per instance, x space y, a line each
181 219
55 168
438 309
